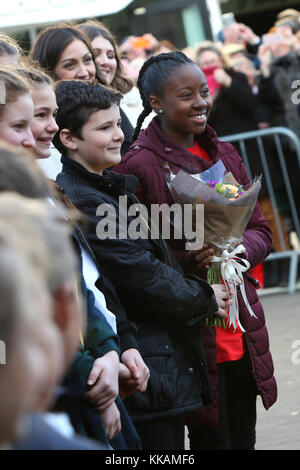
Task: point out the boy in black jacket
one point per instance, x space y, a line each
165 304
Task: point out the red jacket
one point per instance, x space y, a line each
145 160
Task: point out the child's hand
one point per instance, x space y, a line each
103 381
223 298
124 372
111 421
199 260
139 373
127 384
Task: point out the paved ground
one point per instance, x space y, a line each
279 427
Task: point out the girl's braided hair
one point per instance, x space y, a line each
154 74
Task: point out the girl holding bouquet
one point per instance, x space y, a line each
179 137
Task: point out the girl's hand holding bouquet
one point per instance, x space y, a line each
199 261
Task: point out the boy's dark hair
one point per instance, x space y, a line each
153 76
76 101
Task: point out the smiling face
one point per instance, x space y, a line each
15 120
186 105
43 125
75 62
101 141
105 58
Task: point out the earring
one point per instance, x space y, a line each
161 111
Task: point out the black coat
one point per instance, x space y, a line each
128 130
165 304
234 107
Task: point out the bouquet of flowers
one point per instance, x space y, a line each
227 209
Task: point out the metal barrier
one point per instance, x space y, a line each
293 140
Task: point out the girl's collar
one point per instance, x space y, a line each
108 179
154 139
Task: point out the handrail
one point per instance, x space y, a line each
263 132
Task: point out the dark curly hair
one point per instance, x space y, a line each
76 101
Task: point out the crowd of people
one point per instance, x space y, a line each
107 341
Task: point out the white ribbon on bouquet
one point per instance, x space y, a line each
232 269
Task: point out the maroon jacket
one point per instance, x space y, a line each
145 160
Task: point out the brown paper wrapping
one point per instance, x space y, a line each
223 225
224 220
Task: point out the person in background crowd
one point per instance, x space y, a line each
107 58
107 55
246 66
65 52
134 51
211 61
239 33
10 52
134 47
122 79
163 46
62 51
289 13
231 93
280 67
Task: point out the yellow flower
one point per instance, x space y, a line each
232 188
